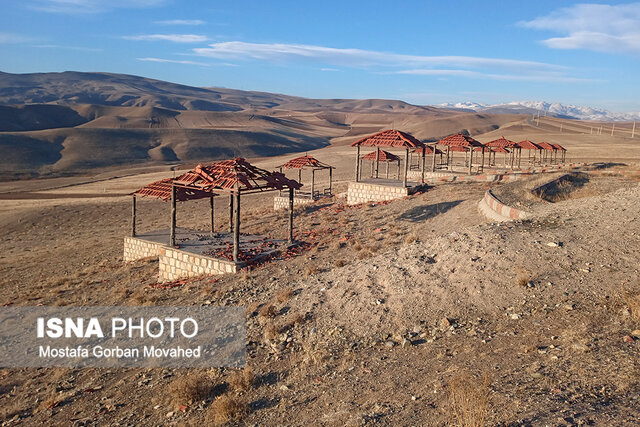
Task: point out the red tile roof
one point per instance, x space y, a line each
499 150
218 177
389 138
528 145
501 142
459 140
304 161
428 150
385 156
546 146
558 147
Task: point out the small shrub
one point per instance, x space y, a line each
225 409
190 388
271 331
284 295
340 263
632 300
523 277
268 311
241 380
468 400
310 270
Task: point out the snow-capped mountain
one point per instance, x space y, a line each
549 108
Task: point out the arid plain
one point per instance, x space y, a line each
393 312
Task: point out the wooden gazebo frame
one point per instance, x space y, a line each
309 163
529 146
389 138
506 144
227 177
384 157
460 142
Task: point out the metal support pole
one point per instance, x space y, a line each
172 231
290 237
236 228
231 212
406 167
433 164
212 218
424 157
358 164
133 216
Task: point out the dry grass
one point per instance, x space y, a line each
268 311
310 270
271 331
284 295
225 409
340 263
468 400
241 380
523 277
631 299
190 388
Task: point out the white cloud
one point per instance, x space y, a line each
14 38
280 52
89 6
555 77
79 48
597 27
177 38
181 22
173 61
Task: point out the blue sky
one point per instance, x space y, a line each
423 52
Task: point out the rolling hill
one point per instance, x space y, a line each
61 123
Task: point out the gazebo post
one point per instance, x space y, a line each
133 216
236 228
377 160
424 157
313 182
433 164
290 237
212 218
172 229
387 169
330 180
448 160
230 211
300 175
482 167
519 156
470 159
406 167
358 164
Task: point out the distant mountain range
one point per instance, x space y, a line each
550 108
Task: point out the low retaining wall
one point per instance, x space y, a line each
137 249
283 202
494 209
497 177
176 264
362 192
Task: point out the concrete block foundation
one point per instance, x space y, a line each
378 191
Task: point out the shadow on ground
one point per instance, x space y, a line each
422 213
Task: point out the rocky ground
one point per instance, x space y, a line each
395 312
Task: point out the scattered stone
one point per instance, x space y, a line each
169 414
389 343
515 316
628 338
445 323
552 244
284 388
636 333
